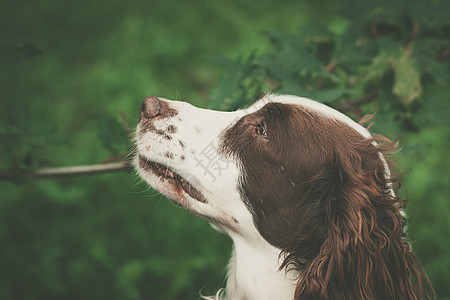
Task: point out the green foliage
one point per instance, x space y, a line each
109 237
23 137
429 204
66 242
370 59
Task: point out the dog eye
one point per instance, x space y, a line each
261 129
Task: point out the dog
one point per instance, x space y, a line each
305 193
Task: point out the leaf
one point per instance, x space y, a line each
14 47
328 95
292 86
229 89
113 135
291 53
379 66
387 123
352 48
407 86
427 51
435 107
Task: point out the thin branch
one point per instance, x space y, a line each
114 158
69 171
412 38
328 68
374 29
126 124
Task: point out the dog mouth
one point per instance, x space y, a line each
175 180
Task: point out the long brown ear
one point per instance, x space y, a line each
363 252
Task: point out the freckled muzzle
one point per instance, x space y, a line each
153 109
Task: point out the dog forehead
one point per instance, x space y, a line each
311 105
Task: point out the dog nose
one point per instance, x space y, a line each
151 107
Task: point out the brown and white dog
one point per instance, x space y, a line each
305 193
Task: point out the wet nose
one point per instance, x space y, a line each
151 107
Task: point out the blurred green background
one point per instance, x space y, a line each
68 69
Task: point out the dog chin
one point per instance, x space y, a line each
181 192
169 183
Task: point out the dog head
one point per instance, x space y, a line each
291 173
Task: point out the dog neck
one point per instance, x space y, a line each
253 272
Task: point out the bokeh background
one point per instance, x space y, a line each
68 70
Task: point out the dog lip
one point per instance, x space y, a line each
177 181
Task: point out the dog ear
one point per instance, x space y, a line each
363 252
